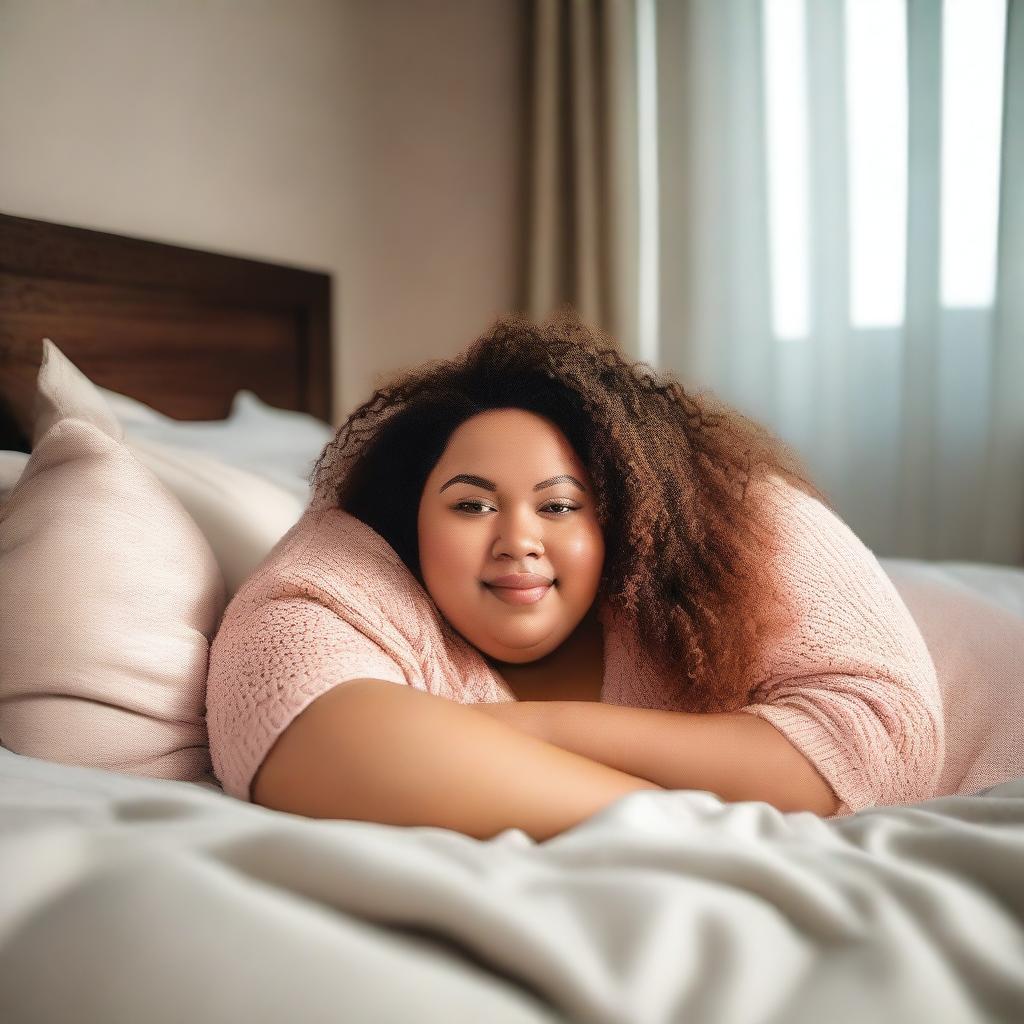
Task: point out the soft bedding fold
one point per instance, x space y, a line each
153 900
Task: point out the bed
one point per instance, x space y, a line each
129 897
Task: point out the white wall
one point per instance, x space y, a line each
377 141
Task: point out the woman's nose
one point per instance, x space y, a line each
517 534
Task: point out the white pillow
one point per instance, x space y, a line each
131 410
242 515
278 444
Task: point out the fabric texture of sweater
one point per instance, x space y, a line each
852 685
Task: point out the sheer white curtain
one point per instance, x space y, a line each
837 246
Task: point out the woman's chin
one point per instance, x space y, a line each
516 658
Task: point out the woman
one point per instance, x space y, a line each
695 615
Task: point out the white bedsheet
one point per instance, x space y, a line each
140 900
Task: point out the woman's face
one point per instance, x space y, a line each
472 531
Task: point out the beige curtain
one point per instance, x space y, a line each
583 222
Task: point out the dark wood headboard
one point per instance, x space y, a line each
176 328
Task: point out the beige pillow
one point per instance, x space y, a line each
241 515
109 597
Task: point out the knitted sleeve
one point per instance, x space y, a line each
268 665
853 687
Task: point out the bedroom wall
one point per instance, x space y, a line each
378 141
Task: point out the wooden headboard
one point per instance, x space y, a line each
178 329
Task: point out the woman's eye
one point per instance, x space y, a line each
550 505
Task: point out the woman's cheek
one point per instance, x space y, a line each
443 536
588 547
453 550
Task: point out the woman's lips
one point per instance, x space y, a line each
514 595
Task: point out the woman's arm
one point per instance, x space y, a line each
377 751
735 756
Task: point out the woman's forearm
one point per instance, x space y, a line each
374 751
735 756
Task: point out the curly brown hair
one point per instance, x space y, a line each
688 544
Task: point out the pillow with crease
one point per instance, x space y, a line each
242 515
109 598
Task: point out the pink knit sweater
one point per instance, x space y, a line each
852 686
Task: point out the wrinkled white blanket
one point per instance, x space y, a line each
126 899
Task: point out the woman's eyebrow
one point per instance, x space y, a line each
490 485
